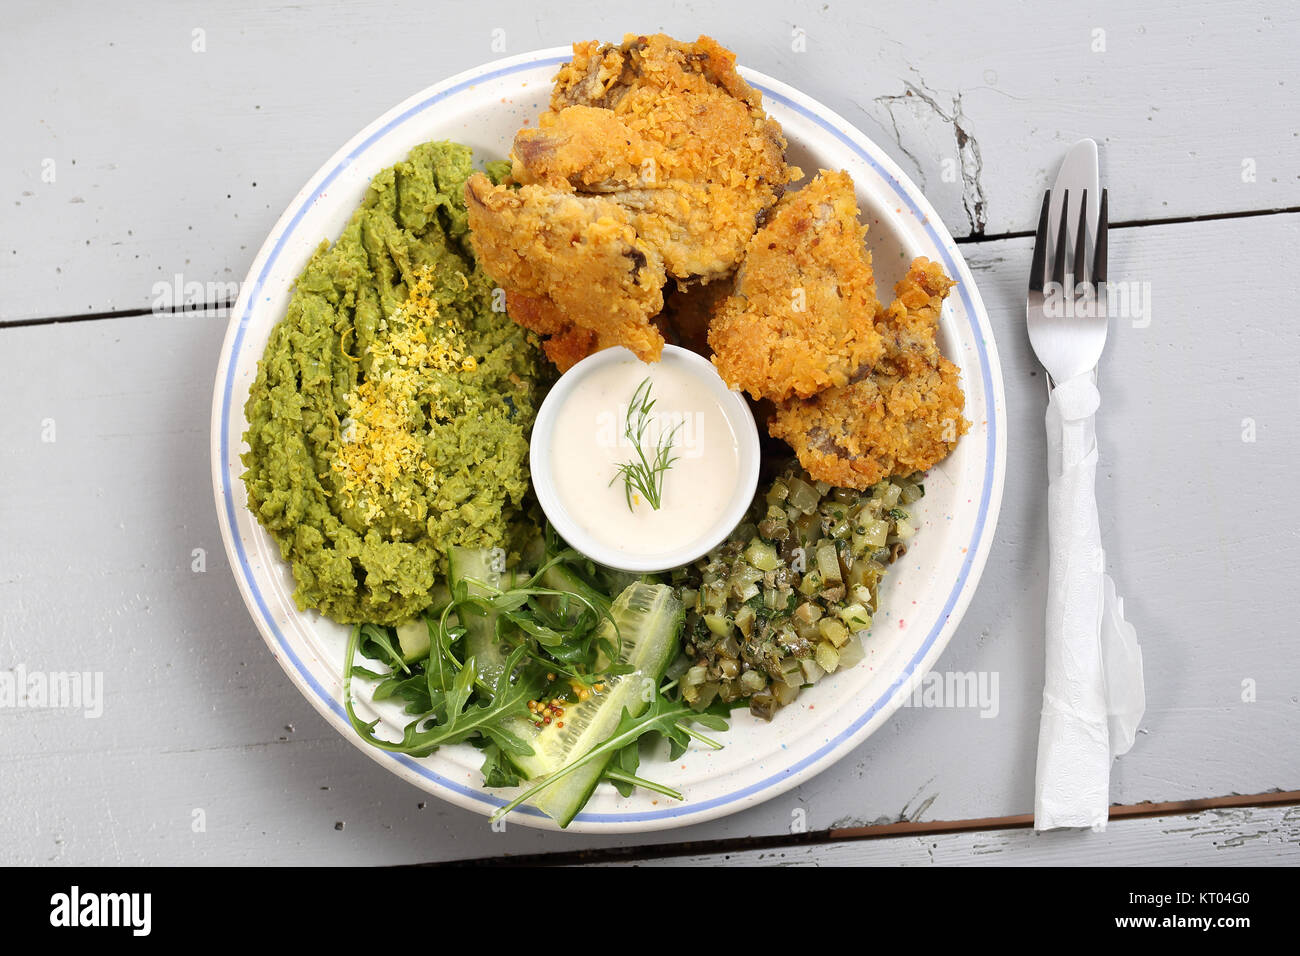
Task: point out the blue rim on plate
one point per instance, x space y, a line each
974 549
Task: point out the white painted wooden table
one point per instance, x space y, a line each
158 142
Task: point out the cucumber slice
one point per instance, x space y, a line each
413 636
439 598
480 564
649 619
561 577
413 639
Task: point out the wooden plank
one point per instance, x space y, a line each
1247 836
168 162
101 527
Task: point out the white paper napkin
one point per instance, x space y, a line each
1093 695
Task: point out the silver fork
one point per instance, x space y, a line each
1085 684
1066 311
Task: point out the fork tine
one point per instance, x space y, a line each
1062 241
1081 242
1099 257
1039 264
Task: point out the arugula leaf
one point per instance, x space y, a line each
414 690
625 764
497 770
627 782
511 600
508 740
427 733
378 646
458 696
548 637
679 742
441 666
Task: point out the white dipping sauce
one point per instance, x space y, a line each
588 444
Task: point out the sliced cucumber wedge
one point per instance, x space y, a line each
616 581
561 577
473 565
413 636
413 639
649 620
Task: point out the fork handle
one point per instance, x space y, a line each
1074 750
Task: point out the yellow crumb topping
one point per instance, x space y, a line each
381 438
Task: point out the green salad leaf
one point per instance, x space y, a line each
557 633
450 721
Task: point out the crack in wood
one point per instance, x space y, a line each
970 161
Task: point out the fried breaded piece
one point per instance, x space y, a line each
591 150
578 258
803 315
676 145
602 74
564 343
900 416
675 134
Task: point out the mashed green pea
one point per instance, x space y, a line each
390 416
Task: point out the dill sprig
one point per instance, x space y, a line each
646 473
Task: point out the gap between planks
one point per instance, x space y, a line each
974 239
195 309
905 828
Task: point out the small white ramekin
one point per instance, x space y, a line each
734 407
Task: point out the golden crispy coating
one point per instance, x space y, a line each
564 343
803 315
900 416
602 74
579 255
591 150
668 144
687 144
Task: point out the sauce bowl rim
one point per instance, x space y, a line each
733 406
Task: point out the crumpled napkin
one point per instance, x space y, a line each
1093 695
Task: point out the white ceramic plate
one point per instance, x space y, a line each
924 595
